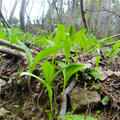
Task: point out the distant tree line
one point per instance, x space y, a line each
100 17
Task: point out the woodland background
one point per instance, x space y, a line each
102 17
74 71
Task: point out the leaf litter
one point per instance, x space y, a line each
34 107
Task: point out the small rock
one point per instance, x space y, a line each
80 97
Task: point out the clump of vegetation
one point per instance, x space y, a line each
63 40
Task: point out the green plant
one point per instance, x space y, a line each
115 51
69 71
49 114
77 117
105 100
15 34
50 92
48 71
40 56
2 34
97 61
16 106
73 109
94 73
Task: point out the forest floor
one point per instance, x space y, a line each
98 98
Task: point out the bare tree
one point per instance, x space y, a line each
0 4
13 10
2 19
91 16
50 12
83 14
60 11
117 25
22 14
72 13
104 19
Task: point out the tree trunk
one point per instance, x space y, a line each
50 14
72 13
13 11
83 14
22 14
104 19
91 14
2 19
117 26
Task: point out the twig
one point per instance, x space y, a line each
109 44
67 91
113 12
6 103
14 46
9 51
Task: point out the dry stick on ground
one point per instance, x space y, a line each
9 51
14 46
67 91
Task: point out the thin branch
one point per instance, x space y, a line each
114 36
9 51
67 91
113 12
14 46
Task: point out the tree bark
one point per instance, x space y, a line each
83 14
13 11
13 46
50 13
91 15
117 25
104 19
22 14
72 13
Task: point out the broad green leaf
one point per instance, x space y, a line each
28 53
57 73
48 71
60 34
50 93
95 74
69 71
77 117
78 35
43 54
